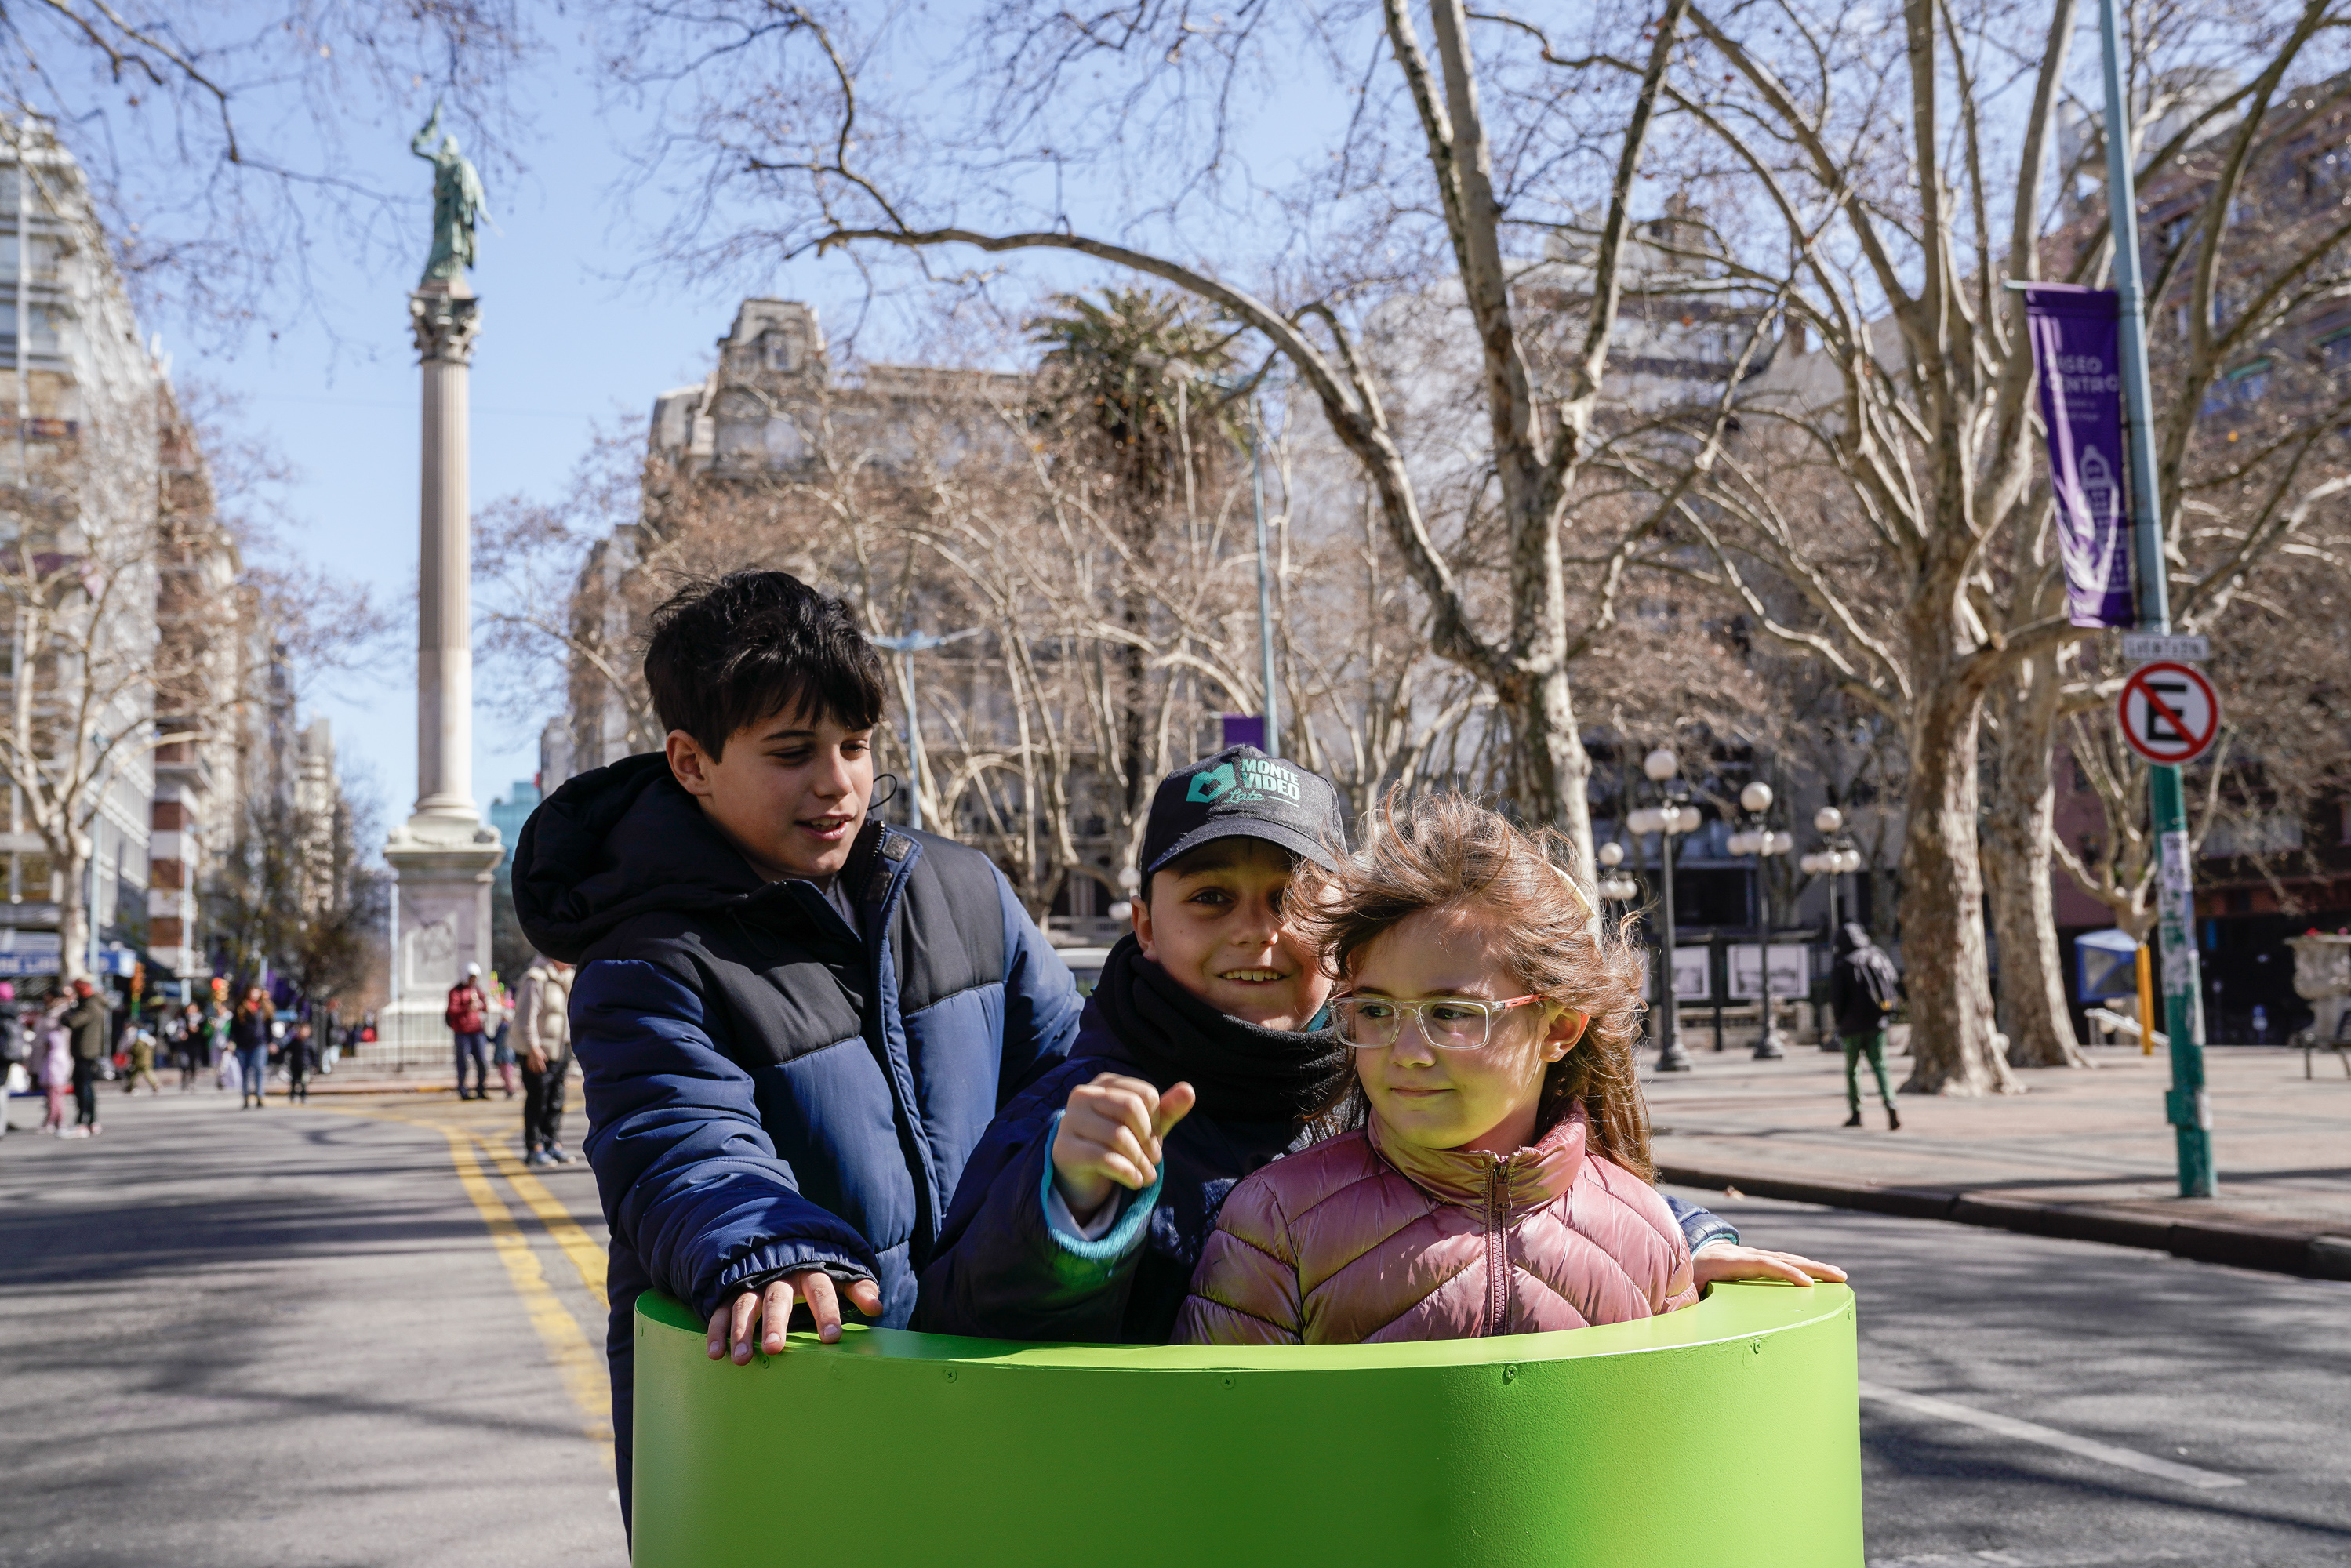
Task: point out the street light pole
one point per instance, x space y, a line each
2187 1106
906 647
1833 860
1662 766
1264 577
1762 842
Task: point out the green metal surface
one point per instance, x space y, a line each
1627 1445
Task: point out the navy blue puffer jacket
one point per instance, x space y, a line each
767 1089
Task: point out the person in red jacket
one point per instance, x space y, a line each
468 1008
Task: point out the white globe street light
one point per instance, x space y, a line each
1763 842
1833 860
1662 768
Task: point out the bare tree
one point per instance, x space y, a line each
2247 244
1892 191
215 136
1481 148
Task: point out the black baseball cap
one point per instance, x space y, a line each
1242 793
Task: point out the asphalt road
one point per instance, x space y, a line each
2243 1376
348 1334
288 1336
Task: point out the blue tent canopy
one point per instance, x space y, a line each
2106 963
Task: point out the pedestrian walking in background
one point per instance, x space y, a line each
1864 991
56 1065
90 1021
502 1054
543 1016
465 1015
217 1019
190 1045
248 1031
299 1053
140 1043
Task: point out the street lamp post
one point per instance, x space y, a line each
1615 887
1662 768
1264 578
906 647
1833 860
1182 375
1763 842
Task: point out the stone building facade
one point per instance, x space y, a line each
147 669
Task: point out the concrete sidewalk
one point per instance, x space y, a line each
2083 1155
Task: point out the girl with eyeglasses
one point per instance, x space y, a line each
1498 1178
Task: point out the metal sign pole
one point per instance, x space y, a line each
2187 1105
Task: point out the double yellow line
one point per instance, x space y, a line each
578 1359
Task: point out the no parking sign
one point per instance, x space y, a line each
2169 712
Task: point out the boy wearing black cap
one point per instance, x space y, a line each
1083 1212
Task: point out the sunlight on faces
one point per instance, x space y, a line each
1481 1099
790 790
1212 921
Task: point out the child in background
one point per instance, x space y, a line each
299 1052
1499 1180
501 1050
56 1066
139 1043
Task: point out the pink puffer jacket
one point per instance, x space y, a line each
1352 1242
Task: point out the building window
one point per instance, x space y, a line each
2250 383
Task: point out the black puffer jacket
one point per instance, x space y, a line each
1864 986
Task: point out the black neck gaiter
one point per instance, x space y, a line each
1243 1073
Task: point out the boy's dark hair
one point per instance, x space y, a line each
726 654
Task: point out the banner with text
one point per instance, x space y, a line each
2077 348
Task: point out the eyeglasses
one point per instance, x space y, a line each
1449 1023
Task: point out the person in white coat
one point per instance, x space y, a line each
543 1021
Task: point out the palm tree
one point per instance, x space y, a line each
1130 383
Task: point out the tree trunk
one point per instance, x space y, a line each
2018 866
73 918
1952 1046
1553 763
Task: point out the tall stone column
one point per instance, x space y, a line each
444 855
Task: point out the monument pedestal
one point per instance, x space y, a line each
443 864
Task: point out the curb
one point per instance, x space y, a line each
2277 1249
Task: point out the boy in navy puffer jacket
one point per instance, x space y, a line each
794 1022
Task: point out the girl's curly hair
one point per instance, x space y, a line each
1446 852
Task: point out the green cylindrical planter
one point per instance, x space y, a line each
1728 1431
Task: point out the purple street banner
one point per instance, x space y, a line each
2077 348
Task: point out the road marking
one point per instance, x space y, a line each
577 1244
580 1247
2050 1437
582 1367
